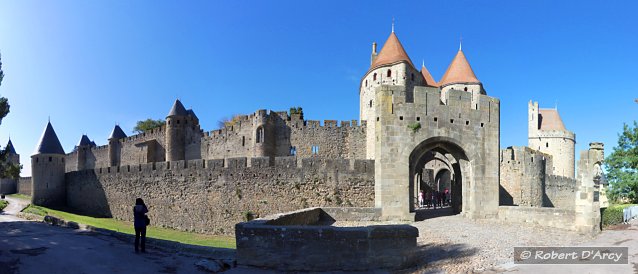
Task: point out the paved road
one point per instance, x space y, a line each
622 238
32 247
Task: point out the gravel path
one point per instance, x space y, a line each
455 244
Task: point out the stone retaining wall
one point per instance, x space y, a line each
544 216
296 241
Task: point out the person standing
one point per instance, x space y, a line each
421 201
140 221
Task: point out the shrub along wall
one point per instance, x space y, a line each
613 215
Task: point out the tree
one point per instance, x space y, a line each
228 122
4 103
7 169
622 166
148 124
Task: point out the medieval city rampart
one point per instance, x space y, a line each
212 195
24 186
526 179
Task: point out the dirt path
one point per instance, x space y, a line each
15 206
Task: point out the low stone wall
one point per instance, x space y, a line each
8 186
296 241
544 216
24 186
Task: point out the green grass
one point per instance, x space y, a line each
20 196
127 227
3 204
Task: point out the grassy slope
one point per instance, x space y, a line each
3 204
127 227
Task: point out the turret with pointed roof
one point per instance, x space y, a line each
49 142
117 133
47 170
548 134
12 156
428 80
10 149
82 149
459 72
391 53
176 121
178 109
115 147
391 66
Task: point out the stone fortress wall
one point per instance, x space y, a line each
284 135
212 195
527 180
268 161
469 132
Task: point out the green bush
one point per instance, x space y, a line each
613 214
3 204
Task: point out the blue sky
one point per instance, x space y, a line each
91 64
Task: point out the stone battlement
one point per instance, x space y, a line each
314 163
458 107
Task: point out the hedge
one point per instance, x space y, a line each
3 204
613 214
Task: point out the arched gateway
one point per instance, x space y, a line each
454 137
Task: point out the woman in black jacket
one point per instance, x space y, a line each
140 221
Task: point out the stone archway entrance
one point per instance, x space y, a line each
439 164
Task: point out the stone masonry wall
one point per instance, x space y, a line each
560 192
204 196
527 180
522 176
24 186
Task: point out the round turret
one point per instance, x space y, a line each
115 147
391 66
176 122
263 144
48 168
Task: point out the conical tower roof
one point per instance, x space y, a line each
550 120
391 52
84 141
10 149
49 142
429 80
459 71
117 133
178 109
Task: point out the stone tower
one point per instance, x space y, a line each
460 76
176 123
263 133
9 185
47 167
83 148
12 156
115 145
548 134
391 66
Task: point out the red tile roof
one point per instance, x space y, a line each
391 52
550 120
459 71
429 80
